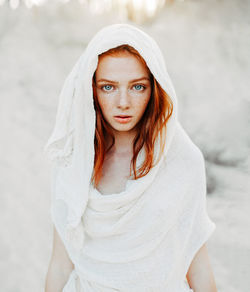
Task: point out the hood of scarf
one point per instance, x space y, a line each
71 144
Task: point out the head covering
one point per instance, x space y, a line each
78 210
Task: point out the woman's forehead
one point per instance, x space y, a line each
126 66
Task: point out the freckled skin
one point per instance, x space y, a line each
123 97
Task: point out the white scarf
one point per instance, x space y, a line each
160 217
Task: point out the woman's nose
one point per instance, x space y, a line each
123 99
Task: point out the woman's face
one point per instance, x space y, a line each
123 90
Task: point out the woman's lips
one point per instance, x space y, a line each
123 119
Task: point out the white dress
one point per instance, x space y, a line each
146 242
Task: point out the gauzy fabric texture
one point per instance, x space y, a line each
145 237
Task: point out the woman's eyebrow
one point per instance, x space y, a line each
116 82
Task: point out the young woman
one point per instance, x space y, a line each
128 184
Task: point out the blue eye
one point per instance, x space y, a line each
139 87
107 87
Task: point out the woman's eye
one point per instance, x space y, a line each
139 87
107 87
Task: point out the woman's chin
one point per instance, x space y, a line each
123 127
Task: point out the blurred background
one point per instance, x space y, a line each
206 45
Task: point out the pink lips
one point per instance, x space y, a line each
123 119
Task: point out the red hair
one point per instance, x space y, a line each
152 123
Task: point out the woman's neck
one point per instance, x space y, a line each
123 142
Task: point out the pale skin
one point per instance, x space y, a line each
123 87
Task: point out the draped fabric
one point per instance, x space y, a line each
145 237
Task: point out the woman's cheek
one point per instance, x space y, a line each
106 105
141 104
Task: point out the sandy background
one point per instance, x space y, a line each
206 45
